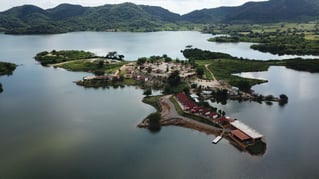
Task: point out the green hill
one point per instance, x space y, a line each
29 19
259 12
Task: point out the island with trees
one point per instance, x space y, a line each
188 86
6 69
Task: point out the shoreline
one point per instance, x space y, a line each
170 116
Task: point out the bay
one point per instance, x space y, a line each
51 128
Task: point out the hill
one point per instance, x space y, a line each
259 12
29 19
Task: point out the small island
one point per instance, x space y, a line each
189 87
6 69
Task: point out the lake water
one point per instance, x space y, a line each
51 128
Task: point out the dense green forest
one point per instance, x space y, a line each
6 69
258 12
29 19
280 38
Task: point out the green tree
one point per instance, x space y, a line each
148 92
121 57
200 71
112 55
174 79
244 85
141 61
100 64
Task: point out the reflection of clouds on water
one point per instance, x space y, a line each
306 87
251 75
55 146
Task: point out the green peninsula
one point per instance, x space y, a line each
186 85
6 69
154 72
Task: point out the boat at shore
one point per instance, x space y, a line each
217 139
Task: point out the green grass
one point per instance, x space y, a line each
224 68
178 108
153 101
207 75
87 66
54 56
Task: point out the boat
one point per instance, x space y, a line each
217 139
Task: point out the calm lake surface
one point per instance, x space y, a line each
51 128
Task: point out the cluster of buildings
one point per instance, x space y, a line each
161 68
236 130
192 107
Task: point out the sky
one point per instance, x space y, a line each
177 6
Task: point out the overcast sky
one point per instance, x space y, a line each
177 6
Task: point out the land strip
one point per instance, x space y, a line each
170 116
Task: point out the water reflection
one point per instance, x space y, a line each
49 127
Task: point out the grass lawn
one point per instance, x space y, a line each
87 66
224 68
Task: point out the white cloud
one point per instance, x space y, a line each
177 6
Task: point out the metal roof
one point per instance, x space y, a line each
246 129
242 136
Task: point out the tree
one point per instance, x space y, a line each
223 113
99 72
112 55
154 122
121 78
244 85
148 92
186 90
121 57
174 79
200 71
141 61
283 99
100 64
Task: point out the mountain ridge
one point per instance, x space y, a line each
30 19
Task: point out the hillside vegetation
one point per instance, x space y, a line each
224 66
278 38
259 12
29 19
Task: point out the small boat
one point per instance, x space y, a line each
217 139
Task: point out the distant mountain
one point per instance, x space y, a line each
259 12
64 11
29 19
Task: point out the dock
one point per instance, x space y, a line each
217 139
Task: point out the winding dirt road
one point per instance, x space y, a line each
171 117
